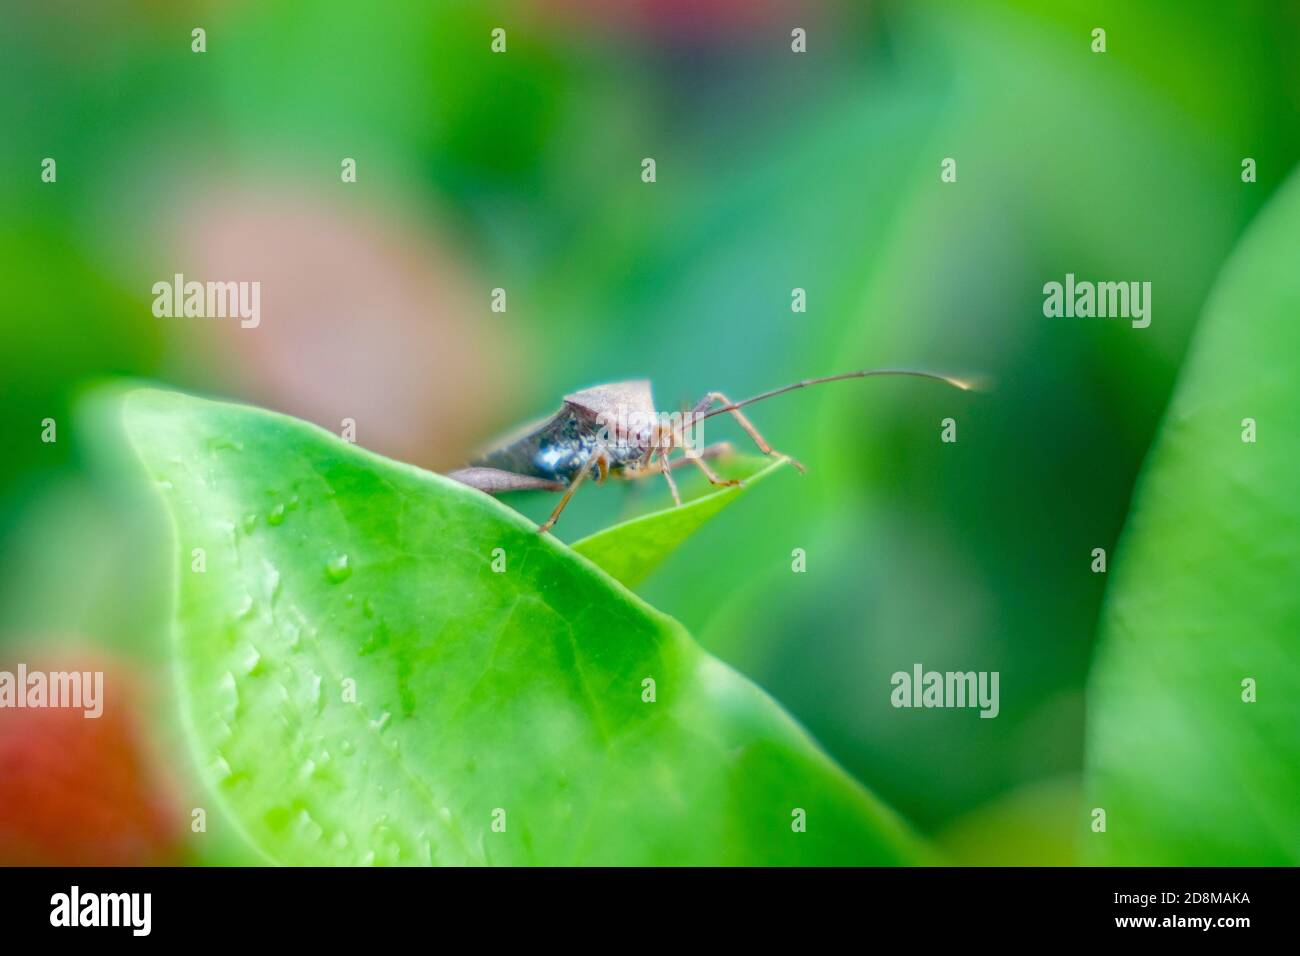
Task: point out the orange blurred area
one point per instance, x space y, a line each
82 791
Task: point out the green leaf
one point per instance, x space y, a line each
1206 593
630 550
363 687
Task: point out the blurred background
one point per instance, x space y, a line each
521 171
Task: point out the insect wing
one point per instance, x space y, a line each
623 406
495 481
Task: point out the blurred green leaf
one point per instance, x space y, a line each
1034 825
475 692
629 551
1206 593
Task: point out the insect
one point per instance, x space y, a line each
614 430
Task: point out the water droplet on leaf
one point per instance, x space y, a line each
338 569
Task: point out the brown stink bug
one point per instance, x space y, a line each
615 430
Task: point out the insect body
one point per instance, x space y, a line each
614 430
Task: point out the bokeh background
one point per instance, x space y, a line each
522 171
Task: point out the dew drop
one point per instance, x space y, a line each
272 579
308 828
221 731
250 659
276 517
228 696
338 570
313 691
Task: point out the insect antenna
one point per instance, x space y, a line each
965 385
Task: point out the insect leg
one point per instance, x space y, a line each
716 450
712 475
573 486
668 474
745 423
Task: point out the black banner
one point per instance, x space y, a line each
335 906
